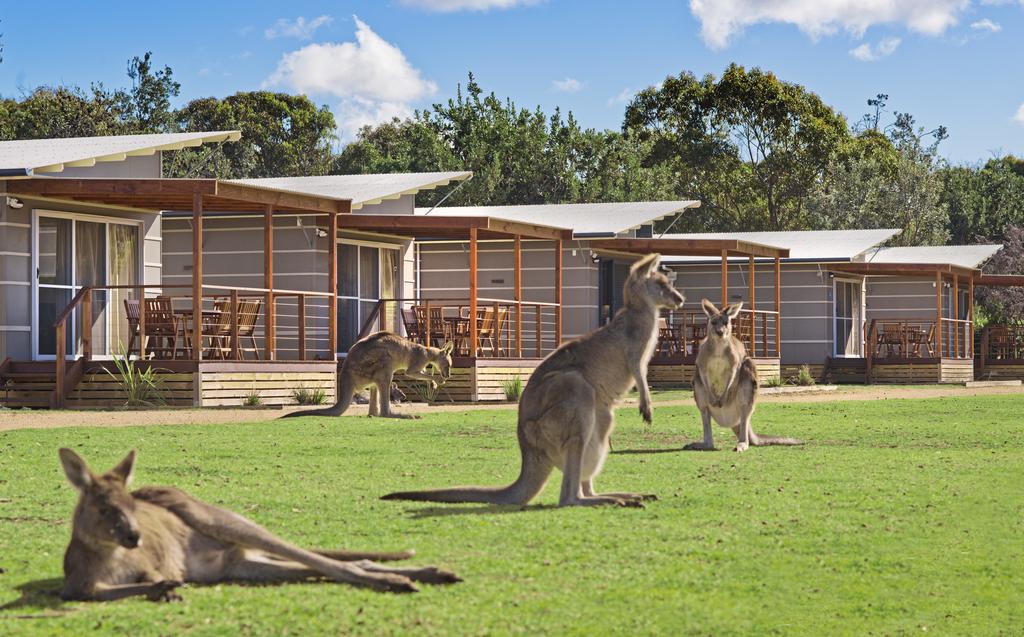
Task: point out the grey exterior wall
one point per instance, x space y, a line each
145 167
404 205
901 297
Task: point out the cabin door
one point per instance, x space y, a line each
70 253
848 318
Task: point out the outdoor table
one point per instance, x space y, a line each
210 318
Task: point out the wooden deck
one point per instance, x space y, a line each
902 371
183 383
677 372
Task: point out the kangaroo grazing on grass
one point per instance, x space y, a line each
725 383
150 541
373 361
565 412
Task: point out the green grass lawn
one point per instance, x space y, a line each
898 517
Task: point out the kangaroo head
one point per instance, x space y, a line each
106 510
647 285
720 321
441 359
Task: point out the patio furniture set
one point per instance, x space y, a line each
168 332
436 325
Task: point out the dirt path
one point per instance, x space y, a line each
42 419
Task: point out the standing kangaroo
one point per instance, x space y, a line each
148 542
373 361
725 383
565 413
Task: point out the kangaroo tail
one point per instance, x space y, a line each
533 475
765 441
346 390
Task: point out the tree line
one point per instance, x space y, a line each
759 152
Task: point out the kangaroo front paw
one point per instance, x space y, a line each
165 591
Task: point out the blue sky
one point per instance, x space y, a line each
951 62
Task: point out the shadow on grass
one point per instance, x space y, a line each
38 594
630 452
489 509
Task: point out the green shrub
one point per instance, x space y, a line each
253 399
513 388
773 381
804 378
141 388
316 396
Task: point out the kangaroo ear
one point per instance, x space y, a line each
709 308
645 266
449 347
76 470
734 309
125 470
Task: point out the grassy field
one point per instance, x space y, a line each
898 517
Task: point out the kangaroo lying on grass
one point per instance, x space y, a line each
565 413
725 383
373 361
148 542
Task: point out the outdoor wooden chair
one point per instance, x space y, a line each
217 328
163 336
131 312
489 324
891 338
414 330
439 332
918 339
999 341
668 342
248 315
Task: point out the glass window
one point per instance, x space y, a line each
348 270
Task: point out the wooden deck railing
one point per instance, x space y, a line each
919 338
262 327
681 332
1001 343
504 328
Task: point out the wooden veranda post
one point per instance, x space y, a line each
970 317
725 278
332 283
558 293
938 313
753 308
778 307
956 315
197 276
472 292
269 320
517 277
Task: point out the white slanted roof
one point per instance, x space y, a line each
584 219
804 245
363 190
30 156
965 256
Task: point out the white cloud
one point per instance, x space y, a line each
722 19
449 6
621 97
1019 115
371 76
987 25
568 85
352 114
299 28
884 48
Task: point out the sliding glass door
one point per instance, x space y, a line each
366 274
73 252
848 318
